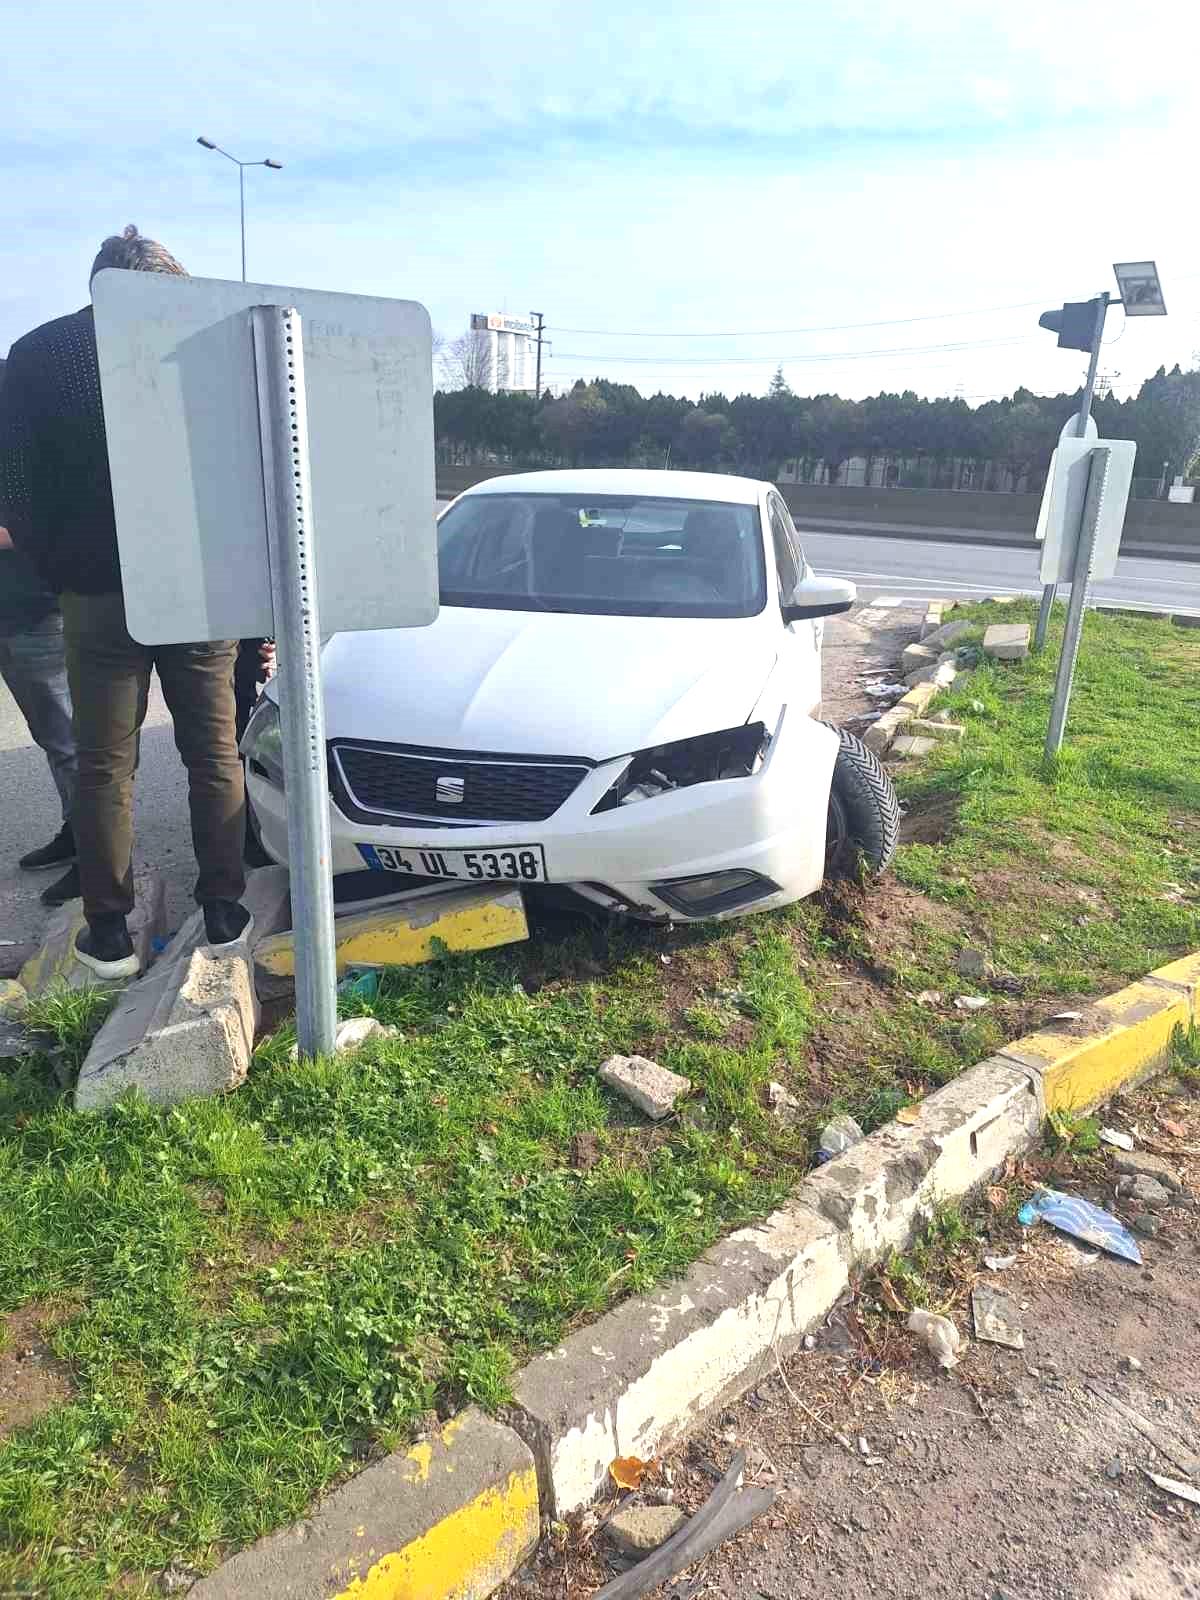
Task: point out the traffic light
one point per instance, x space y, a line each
1075 324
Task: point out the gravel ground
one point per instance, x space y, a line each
1016 1476
864 647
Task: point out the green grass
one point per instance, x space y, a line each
258 1293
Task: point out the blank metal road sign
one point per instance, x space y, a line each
181 414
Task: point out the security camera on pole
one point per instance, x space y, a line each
1082 514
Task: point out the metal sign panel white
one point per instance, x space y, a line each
1141 292
1066 491
181 415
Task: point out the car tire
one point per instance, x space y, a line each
864 811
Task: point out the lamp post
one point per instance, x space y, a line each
276 166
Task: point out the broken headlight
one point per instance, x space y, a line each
736 753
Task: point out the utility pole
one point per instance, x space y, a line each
539 324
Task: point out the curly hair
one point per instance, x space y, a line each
135 254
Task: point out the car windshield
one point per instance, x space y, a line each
608 555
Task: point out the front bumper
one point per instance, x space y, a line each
773 823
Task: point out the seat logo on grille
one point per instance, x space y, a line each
451 791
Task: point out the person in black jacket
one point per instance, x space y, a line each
56 500
33 664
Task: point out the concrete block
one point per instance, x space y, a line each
916 656
13 998
190 1032
1007 641
187 1027
921 727
941 674
450 1519
638 1380
879 735
916 701
1124 1037
403 934
879 1192
946 635
908 747
651 1088
56 962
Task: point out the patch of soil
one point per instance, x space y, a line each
931 819
32 1378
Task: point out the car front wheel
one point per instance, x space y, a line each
864 812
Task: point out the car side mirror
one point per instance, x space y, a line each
815 596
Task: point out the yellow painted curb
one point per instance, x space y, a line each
464 1556
449 1519
1129 1036
405 934
1185 975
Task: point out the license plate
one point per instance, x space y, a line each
517 863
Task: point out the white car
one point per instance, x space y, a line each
620 695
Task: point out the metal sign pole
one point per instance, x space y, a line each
283 425
1081 578
1049 593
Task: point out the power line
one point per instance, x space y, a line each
771 333
775 360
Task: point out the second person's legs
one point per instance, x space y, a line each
197 681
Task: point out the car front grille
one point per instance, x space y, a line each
398 781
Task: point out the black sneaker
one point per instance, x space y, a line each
60 852
105 946
62 889
226 923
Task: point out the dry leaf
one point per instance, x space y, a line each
908 1114
627 1472
887 1293
996 1196
1175 1129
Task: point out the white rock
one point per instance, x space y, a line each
651 1088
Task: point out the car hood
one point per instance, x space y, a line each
538 683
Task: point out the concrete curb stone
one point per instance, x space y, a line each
186 1028
55 962
640 1379
453 1517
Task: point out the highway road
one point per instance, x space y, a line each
880 566
898 566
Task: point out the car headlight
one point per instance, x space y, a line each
262 742
736 753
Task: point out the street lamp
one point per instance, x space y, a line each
276 166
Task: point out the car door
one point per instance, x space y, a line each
802 640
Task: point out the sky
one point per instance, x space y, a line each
874 196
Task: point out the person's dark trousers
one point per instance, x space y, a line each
33 665
110 686
249 675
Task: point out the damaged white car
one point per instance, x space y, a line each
621 695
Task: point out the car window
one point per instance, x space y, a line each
788 562
794 539
616 555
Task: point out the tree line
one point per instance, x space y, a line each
611 424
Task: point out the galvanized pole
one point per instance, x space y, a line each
1081 579
283 425
1081 421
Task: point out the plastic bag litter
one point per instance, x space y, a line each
838 1135
1082 1220
940 1335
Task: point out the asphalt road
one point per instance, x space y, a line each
926 566
880 566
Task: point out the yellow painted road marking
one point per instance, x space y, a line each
462 1557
